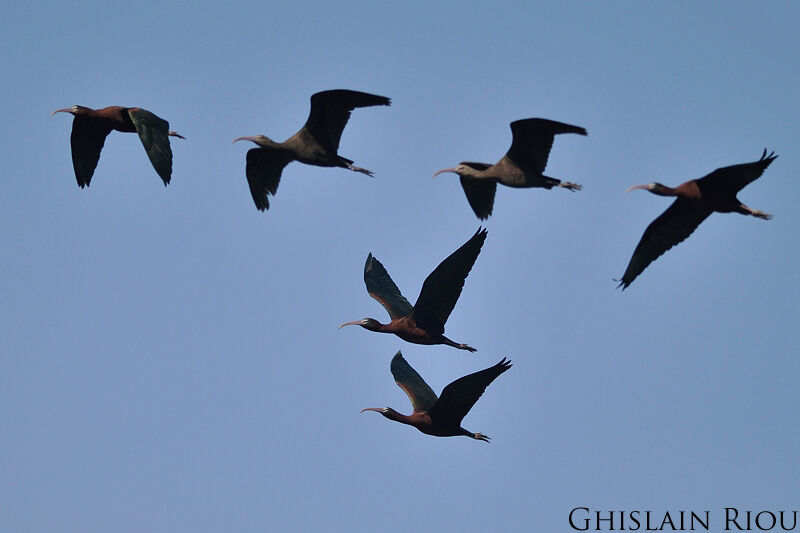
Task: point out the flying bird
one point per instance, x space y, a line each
521 167
91 126
440 417
696 200
316 143
422 323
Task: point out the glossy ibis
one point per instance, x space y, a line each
424 322
521 167
316 143
91 126
696 200
440 417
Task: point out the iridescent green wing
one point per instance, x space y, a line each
381 287
421 395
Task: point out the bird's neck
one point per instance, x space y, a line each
391 414
663 190
469 172
374 325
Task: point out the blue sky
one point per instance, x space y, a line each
170 358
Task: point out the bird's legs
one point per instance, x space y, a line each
476 436
570 186
175 134
755 212
359 169
448 342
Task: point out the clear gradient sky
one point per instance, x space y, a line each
169 357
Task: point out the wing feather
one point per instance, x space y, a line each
734 178
421 395
442 287
87 140
263 170
533 139
330 111
381 287
479 191
459 397
672 227
153 132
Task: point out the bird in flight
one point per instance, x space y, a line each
696 200
521 167
442 416
317 142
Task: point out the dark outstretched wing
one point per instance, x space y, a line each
671 227
330 111
480 192
734 178
381 287
153 132
87 139
459 397
533 138
442 287
264 168
421 395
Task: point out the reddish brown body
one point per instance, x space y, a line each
439 416
407 329
422 323
90 127
696 200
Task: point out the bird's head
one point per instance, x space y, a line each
388 412
380 410
75 110
655 188
366 323
460 169
261 140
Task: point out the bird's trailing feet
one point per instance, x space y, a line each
480 436
571 186
175 134
359 169
756 213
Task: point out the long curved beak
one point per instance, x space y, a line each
353 323
65 110
637 187
244 139
376 409
445 170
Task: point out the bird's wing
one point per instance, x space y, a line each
381 287
263 170
532 140
421 395
671 227
153 132
87 139
459 397
480 195
734 178
442 287
330 111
